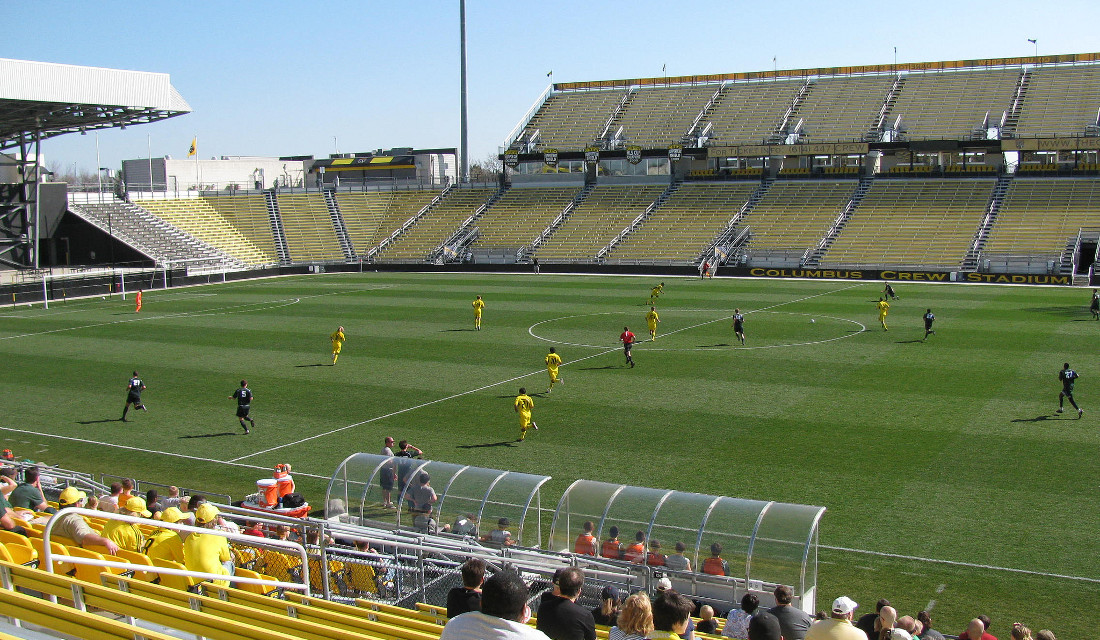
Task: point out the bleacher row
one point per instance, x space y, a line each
913 222
1043 101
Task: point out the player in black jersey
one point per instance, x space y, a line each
739 325
133 395
244 405
1068 377
928 320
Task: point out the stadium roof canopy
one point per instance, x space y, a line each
54 99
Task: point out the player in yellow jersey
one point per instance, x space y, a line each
883 307
656 293
553 361
479 304
651 319
338 339
523 406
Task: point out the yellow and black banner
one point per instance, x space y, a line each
896 275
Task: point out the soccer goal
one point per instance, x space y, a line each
61 287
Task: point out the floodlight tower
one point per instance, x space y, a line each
463 157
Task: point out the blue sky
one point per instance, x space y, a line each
282 78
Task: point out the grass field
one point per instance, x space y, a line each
945 450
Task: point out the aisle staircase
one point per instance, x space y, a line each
838 225
733 231
603 253
973 256
277 227
338 224
525 252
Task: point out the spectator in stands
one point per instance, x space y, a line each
663 585
422 499
586 542
715 565
127 491
611 547
109 503
73 526
868 622
655 558
635 621
465 525
976 630
152 502
127 535
908 624
1020 631
794 622
839 624
503 614
927 632
765 626
28 495
387 475
468 596
608 611
207 552
166 544
1045 634
707 623
560 617
172 499
188 509
672 614
678 561
405 467
635 551
737 622
252 528
887 617
8 483
501 535
7 518
92 503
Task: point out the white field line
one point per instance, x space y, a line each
956 563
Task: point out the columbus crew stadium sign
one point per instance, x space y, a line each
899 276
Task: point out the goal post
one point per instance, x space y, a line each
59 287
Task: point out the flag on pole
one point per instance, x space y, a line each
550 73
194 147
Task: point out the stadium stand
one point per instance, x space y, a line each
839 108
655 117
605 212
308 227
1059 101
794 215
954 104
249 216
912 223
197 217
684 225
519 215
1041 218
572 120
419 240
371 217
147 233
750 112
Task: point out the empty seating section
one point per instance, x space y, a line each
748 112
435 226
796 214
197 217
1038 216
596 220
248 215
953 104
145 232
520 215
912 223
840 108
573 120
308 228
372 217
658 117
1060 101
685 224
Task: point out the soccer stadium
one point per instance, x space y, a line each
835 450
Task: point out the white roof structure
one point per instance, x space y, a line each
53 99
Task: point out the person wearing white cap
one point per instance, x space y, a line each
839 624
205 552
73 526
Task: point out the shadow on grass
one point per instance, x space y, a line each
1065 310
610 366
502 443
447 330
319 364
712 346
909 341
1035 419
98 421
212 435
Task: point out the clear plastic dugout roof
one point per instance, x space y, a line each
471 500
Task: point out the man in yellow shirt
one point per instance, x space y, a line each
125 534
479 305
338 339
523 406
553 361
651 319
166 544
883 307
206 552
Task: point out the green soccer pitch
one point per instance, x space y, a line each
947 475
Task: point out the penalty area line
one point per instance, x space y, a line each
419 406
957 563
